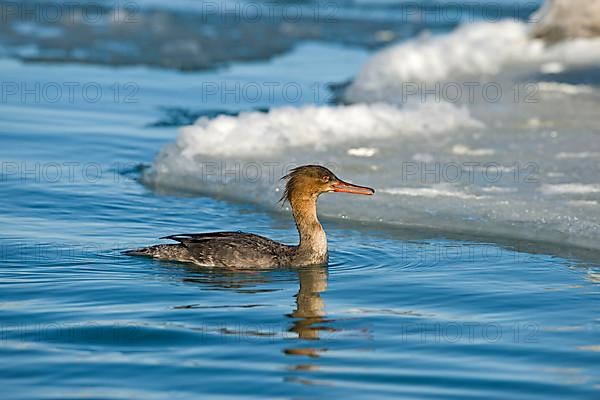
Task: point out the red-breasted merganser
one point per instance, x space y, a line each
246 250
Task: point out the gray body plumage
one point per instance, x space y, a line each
222 249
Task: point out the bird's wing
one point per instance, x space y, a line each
232 249
184 238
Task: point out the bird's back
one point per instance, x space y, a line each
235 249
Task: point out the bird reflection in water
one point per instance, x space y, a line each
309 316
310 322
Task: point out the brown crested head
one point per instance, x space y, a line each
309 181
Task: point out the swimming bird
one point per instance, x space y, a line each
247 250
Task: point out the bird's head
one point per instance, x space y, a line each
309 181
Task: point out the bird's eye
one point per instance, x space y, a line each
325 178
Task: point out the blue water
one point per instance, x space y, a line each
397 313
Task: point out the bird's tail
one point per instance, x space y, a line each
175 252
144 251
